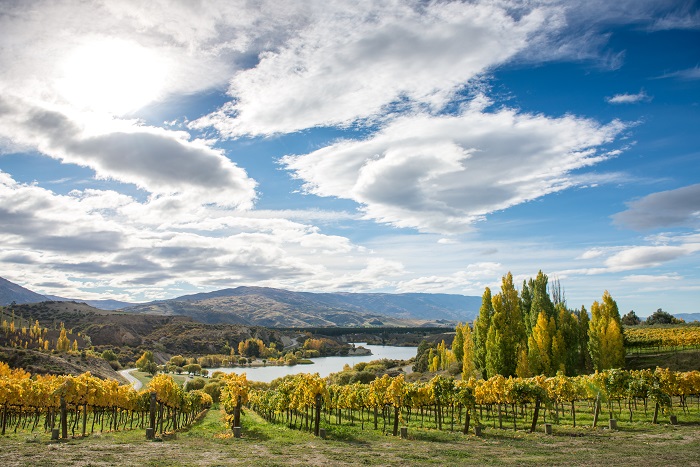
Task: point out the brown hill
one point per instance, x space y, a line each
66 364
276 308
129 334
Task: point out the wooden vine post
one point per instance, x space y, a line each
597 411
535 415
317 415
467 420
237 413
64 418
151 430
85 410
396 420
656 414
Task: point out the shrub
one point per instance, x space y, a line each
194 384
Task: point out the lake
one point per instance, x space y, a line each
324 366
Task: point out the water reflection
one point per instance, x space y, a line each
324 366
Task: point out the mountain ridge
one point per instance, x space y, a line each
272 307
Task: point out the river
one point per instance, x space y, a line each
324 366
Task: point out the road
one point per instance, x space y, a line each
127 375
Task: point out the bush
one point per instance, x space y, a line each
193 384
360 366
109 355
364 377
214 390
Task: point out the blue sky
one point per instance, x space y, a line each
153 149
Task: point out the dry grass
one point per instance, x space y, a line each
209 443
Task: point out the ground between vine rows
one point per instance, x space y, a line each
206 443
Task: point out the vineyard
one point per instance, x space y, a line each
47 402
105 422
302 401
641 338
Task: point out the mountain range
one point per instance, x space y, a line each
269 307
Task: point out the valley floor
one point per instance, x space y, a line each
209 443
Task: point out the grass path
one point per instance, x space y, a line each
208 443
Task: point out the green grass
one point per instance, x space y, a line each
208 442
677 360
145 378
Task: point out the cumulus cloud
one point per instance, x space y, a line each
626 98
646 256
109 241
672 208
351 63
443 174
397 66
474 277
664 249
199 46
162 162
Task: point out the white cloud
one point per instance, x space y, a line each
159 161
447 241
106 240
592 253
645 256
664 249
683 19
473 278
687 74
679 207
652 279
442 174
199 45
350 63
626 98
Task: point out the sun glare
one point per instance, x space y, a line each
112 75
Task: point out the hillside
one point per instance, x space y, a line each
269 307
688 317
11 292
129 334
262 306
68 364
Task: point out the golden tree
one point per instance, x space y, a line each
605 341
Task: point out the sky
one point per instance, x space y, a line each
154 149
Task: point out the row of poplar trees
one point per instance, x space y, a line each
532 332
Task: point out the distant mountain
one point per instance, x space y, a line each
262 306
11 292
269 307
688 317
101 304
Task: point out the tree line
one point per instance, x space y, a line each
529 332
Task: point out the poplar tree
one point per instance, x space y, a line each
468 366
526 305
568 335
540 299
523 368
506 334
605 341
585 364
481 330
63 343
540 345
458 342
